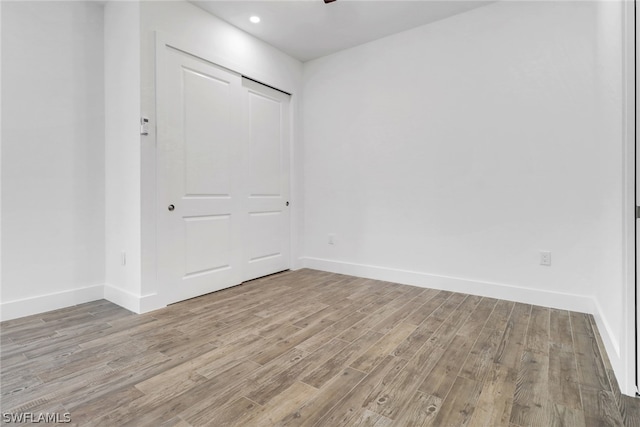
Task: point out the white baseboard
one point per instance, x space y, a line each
614 351
42 303
132 302
151 302
54 301
564 301
122 298
604 327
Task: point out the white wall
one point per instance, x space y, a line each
52 155
122 153
225 45
451 154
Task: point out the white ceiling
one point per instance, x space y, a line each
308 29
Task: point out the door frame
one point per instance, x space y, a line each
630 118
157 297
630 340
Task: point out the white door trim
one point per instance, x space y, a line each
628 355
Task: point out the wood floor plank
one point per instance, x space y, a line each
207 364
281 405
175 422
311 348
560 332
563 416
326 398
368 287
509 352
217 391
449 328
270 388
332 312
334 365
369 305
419 410
349 406
591 370
581 324
234 413
500 315
388 399
439 381
273 351
375 304
538 331
391 321
95 408
200 411
493 407
376 317
630 411
370 419
480 359
99 384
424 311
563 377
458 407
10 362
386 345
333 331
476 321
412 344
600 408
22 398
530 404
428 328
76 394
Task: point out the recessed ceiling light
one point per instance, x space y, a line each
254 19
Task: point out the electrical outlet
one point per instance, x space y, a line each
332 239
545 258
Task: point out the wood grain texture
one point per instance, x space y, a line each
419 410
494 404
311 348
600 407
509 351
531 403
325 399
458 407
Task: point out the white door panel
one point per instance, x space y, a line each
207 135
200 145
265 146
200 255
267 237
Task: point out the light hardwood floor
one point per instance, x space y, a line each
310 348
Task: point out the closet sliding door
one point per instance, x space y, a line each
267 234
222 177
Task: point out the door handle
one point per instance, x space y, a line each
171 208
